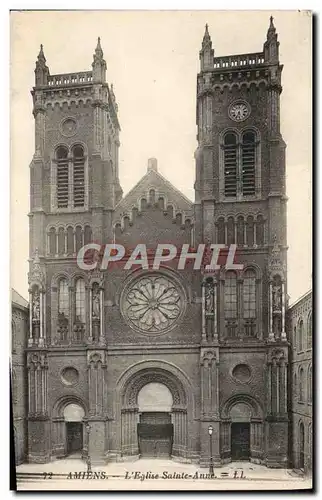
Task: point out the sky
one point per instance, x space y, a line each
153 60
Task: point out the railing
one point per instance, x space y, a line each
70 79
240 60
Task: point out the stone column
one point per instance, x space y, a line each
283 334
271 336
30 339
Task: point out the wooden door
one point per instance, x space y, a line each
74 437
240 441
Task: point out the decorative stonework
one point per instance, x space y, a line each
241 373
69 376
68 127
152 304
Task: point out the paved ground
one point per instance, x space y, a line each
157 474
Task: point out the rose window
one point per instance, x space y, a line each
153 304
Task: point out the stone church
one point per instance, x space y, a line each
130 363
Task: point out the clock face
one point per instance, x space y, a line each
239 111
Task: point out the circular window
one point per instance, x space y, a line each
153 303
68 127
241 373
69 376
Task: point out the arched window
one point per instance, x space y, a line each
294 338
230 231
78 176
300 335
87 235
61 241
301 384
250 231
309 331
79 238
239 158
62 177
52 241
70 240
230 303
249 299
240 231
80 300
221 231
309 384
63 299
230 164
248 164
259 230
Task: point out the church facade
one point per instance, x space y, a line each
132 362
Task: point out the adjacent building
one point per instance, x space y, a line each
19 390
300 328
137 362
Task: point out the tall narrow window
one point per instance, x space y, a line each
295 338
230 164
309 331
249 298
61 241
295 387
230 301
79 238
301 384
240 231
87 235
63 299
221 231
248 164
300 335
70 240
260 230
62 177
80 300
230 231
52 241
78 176
250 231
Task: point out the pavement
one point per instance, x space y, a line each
155 474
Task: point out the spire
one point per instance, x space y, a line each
206 38
99 65
206 55
41 70
271 30
271 45
98 51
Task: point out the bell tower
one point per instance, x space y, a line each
240 200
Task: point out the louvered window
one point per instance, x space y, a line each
62 177
70 178
230 159
239 157
248 164
78 177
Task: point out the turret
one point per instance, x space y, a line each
99 64
41 70
206 55
271 45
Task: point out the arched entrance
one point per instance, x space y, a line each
73 415
156 397
68 430
242 429
155 429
